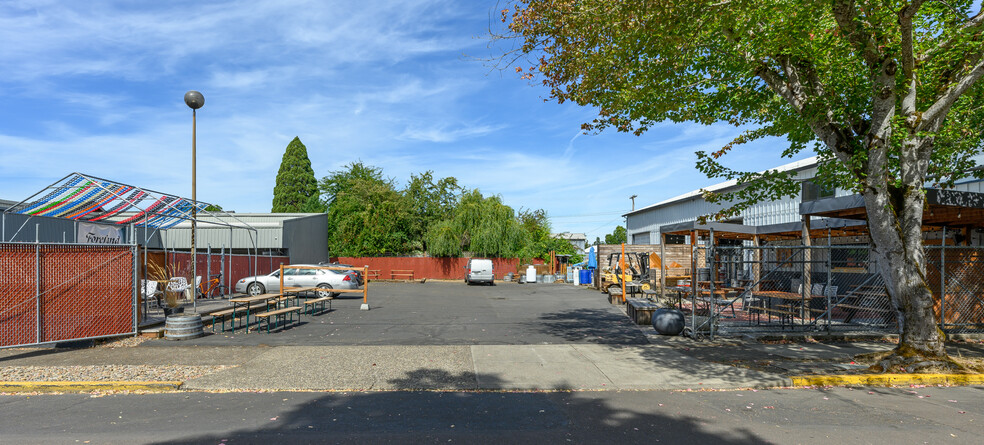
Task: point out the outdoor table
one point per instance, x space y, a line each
297 291
717 298
789 297
680 291
247 302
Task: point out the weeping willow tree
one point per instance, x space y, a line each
480 225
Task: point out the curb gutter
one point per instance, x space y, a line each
89 386
888 380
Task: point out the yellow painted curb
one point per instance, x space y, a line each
88 386
888 379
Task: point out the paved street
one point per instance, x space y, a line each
877 416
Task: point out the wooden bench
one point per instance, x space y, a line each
280 315
223 315
317 303
782 314
862 308
405 274
640 310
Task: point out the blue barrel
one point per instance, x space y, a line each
584 276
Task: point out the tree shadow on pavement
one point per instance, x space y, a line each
472 417
590 326
671 362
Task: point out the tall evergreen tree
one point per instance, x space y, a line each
295 180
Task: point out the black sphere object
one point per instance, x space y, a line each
194 99
668 321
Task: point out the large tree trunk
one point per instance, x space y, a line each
894 223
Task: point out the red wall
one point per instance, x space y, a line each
427 267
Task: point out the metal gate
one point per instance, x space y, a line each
61 292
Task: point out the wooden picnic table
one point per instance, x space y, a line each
247 302
789 297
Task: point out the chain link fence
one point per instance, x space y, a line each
743 289
60 292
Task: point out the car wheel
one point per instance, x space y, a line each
255 289
324 294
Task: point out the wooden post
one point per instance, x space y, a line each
622 272
807 266
281 278
365 288
662 265
757 265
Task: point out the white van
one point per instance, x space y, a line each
480 270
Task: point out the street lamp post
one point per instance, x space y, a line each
194 100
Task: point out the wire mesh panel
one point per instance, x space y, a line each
788 287
80 291
18 288
87 291
956 277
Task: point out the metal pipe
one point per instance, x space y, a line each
37 291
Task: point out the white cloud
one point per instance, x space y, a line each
443 134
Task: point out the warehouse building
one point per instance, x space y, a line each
643 225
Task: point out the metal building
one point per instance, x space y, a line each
301 236
643 225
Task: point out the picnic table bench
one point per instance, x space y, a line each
310 305
640 310
405 274
280 315
223 315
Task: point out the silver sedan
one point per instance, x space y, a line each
295 276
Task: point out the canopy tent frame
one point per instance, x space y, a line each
83 197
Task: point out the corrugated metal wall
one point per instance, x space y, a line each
764 213
306 239
269 233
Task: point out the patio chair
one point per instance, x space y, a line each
178 285
150 292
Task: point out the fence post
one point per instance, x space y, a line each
712 274
943 281
135 252
830 276
37 290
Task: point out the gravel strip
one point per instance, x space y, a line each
105 373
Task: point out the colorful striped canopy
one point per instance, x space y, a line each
85 198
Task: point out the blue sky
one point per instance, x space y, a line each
97 87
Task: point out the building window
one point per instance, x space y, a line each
813 191
676 239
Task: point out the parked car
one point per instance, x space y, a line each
480 270
357 272
298 277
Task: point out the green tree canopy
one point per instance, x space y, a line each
430 202
886 92
367 216
618 236
296 183
483 226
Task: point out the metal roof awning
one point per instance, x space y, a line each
818 228
943 208
721 229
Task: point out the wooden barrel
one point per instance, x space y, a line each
183 327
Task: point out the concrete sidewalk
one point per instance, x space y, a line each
669 363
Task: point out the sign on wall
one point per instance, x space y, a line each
99 234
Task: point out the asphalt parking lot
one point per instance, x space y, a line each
450 313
